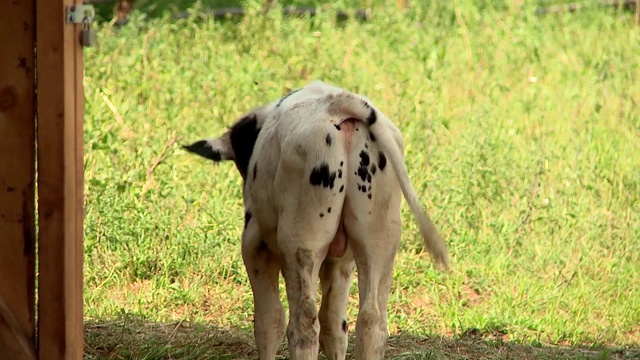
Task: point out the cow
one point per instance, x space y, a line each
323 177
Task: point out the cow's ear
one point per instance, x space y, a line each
216 149
243 136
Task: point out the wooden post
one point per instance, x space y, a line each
60 183
17 173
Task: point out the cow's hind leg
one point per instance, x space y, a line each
310 203
374 251
335 280
303 253
263 268
301 277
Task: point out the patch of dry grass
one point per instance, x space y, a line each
135 338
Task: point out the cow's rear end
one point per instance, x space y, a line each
324 177
337 202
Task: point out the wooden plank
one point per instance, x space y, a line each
17 171
60 183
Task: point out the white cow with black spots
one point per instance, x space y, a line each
323 174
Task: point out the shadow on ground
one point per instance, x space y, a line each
136 339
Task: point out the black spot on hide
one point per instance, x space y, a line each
382 161
364 158
337 127
321 176
363 171
371 119
328 139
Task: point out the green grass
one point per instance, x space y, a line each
522 138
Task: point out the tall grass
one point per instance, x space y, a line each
522 138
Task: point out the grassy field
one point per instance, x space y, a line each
522 138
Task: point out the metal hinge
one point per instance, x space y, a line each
80 13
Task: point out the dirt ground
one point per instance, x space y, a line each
136 339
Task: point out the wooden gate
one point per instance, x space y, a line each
40 52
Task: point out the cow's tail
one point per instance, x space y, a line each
354 106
